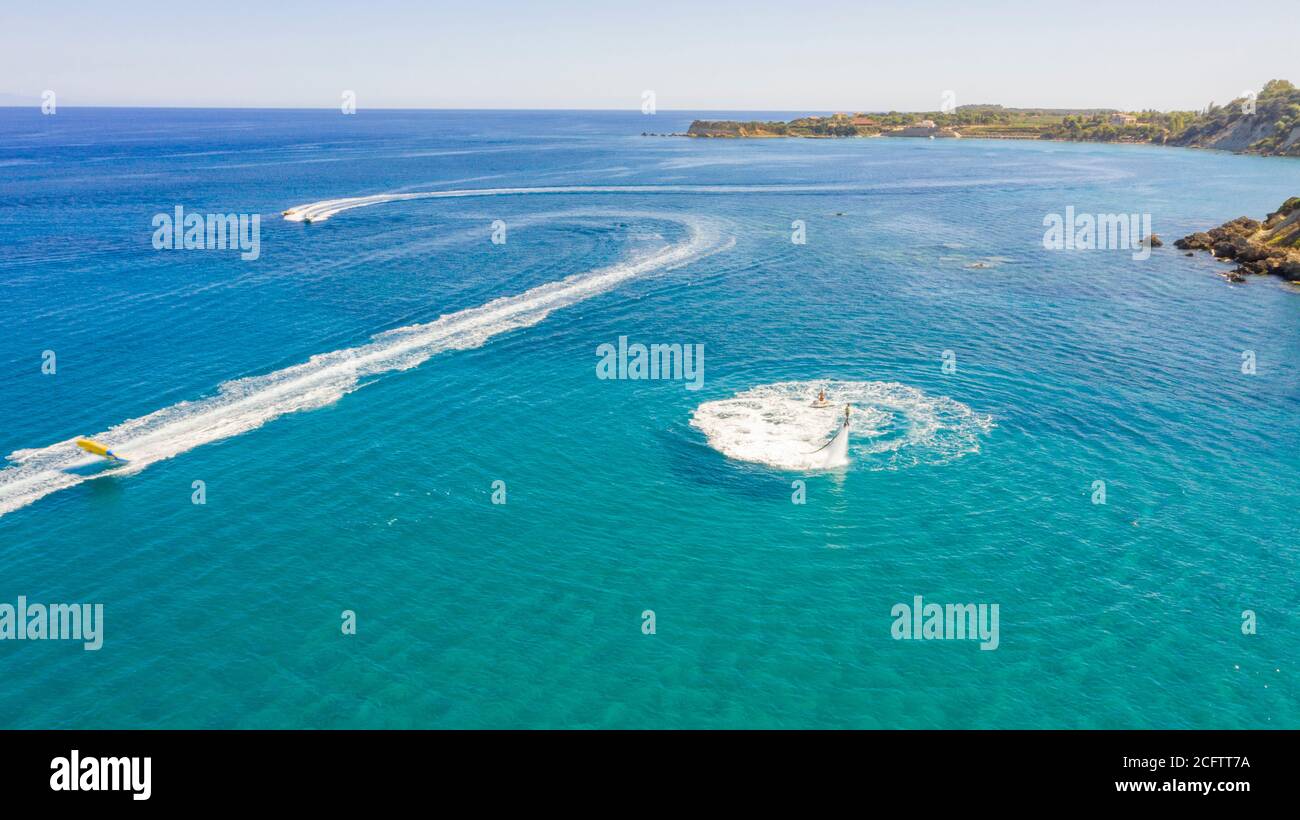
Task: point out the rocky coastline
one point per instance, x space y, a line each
1271 247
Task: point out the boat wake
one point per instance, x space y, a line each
246 404
892 426
324 209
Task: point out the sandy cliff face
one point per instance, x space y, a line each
1238 136
1267 124
1292 144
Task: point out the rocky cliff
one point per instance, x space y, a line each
1268 247
1266 124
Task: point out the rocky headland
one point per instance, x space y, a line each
1269 247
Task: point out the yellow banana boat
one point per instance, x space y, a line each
92 446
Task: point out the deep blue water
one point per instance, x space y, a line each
363 481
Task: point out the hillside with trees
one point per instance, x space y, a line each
1268 123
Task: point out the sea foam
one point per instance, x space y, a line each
891 425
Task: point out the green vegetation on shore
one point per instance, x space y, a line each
1266 124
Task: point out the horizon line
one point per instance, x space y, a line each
36 103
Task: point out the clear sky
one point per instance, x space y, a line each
708 54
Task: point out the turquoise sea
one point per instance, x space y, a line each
993 383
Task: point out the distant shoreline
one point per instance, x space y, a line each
1267 123
1062 140
1292 153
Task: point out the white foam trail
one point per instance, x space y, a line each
246 404
892 425
323 210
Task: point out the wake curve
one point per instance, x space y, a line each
324 209
246 404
